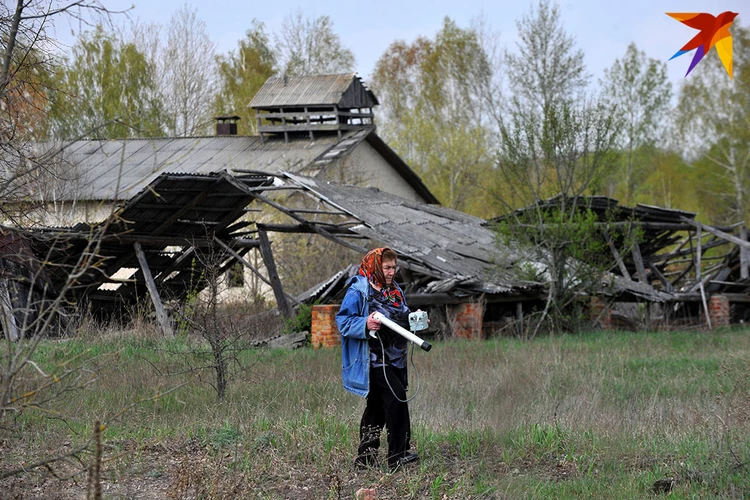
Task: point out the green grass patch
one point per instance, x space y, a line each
593 415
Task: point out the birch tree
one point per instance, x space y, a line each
638 88
188 74
555 142
435 95
713 116
108 90
546 65
307 45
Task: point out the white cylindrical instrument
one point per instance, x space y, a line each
402 331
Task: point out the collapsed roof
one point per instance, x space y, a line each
447 256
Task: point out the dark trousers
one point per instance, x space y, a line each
383 409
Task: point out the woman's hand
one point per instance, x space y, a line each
372 323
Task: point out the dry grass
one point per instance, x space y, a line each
591 415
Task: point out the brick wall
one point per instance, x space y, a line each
718 311
324 332
466 320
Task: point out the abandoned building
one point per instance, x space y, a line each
138 220
320 126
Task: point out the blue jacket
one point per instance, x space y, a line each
351 321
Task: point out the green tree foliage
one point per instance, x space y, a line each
107 91
434 96
561 154
713 118
638 88
546 76
669 182
564 248
308 46
546 66
564 152
241 73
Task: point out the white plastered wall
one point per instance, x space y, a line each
365 167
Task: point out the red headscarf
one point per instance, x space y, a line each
372 268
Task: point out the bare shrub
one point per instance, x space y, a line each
226 330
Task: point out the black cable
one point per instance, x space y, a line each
385 375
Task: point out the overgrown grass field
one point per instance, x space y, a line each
591 415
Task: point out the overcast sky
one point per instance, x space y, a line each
602 30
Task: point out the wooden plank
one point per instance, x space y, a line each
176 264
519 319
155 241
682 261
305 128
616 255
305 116
638 259
273 275
7 318
315 211
744 255
308 229
660 276
720 234
296 217
161 314
245 263
707 275
699 250
166 206
679 253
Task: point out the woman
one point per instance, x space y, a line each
375 366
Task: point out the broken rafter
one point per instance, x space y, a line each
719 233
714 242
682 261
307 228
660 276
245 263
164 206
744 256
638 259
317 212
616 255
698 238
176 264
161 314
294 216
268 260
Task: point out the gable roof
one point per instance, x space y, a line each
118 169
345 90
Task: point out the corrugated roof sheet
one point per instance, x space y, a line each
460 249
175 210
118 169
452 244
303 90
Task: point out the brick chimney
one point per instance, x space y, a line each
226 125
